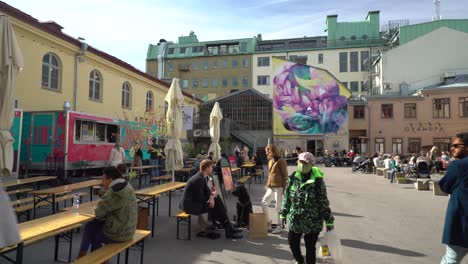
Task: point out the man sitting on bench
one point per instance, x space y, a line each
199 199
116 214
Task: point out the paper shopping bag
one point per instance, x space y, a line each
258 226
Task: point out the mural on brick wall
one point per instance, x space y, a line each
307 100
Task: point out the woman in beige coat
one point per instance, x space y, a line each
276 183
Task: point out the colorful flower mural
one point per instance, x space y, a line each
307 100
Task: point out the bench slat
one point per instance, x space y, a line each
183 215
244 179
106 252
58 199
24 190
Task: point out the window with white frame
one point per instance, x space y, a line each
245 63
126 95
380 145
92 132
95 84
263 80
234 81
185 84
149 101
263 61
397 144
50 72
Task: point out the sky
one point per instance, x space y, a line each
125 28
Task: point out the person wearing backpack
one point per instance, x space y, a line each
306 207
455 183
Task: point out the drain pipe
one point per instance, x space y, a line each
78 58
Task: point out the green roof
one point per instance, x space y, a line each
189 42
345 31
411 32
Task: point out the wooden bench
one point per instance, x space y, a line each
244 179
20 192
258 174
108 251
381 171
159 179
184 217
26 208
435 187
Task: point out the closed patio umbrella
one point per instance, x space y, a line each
215 121
173 149
11 61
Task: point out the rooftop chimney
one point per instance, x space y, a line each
52 25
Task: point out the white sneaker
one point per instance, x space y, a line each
277 230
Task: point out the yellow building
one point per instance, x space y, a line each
60 69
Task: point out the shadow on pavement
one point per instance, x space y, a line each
382 248
346 215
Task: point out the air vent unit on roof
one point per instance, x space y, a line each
449 75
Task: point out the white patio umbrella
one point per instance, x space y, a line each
173 149
11 61
215 121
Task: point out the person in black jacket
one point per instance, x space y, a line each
199 199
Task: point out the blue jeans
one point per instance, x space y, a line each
392 175
93 236
154 172
454 254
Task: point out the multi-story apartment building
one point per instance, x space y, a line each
206 69
421 55
344 52
408 124
420 91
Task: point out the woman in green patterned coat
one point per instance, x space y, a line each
306 207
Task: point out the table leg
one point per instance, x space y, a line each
91 193
152 221
53 204
34 207
170 192
19 253
139 179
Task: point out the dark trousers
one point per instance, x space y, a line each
218 212
295 245
93 236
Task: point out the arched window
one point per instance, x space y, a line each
126 95
50 71
95 85
149 101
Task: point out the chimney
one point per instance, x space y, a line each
53 26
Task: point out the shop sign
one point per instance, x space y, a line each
424 127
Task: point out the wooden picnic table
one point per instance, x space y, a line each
246 166
188 171
140 170
37 180
45 227
50 194
154 192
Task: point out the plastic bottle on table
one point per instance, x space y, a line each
76 203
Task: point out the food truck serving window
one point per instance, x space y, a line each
87 131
